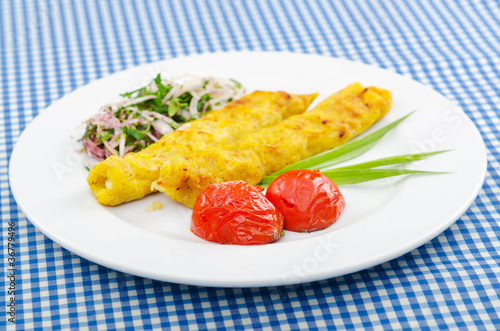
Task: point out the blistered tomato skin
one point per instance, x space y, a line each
236 213
308 200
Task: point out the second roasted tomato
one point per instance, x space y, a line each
236 213
308 200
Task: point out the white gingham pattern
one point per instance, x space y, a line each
49 48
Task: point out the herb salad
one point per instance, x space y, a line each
144 115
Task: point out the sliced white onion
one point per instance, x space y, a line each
138 100
170 94
162 127
193 106
194 84
152 87
121 147
184 126
151 136
109 148
160 116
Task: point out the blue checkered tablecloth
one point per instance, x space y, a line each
51 47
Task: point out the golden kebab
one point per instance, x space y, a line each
334 121
118 180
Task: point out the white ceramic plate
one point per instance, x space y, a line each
382 219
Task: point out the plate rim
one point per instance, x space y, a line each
238 283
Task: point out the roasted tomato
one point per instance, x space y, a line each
236 213
308 200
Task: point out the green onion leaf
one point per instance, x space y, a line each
360 172
345 177
350 176
390 161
